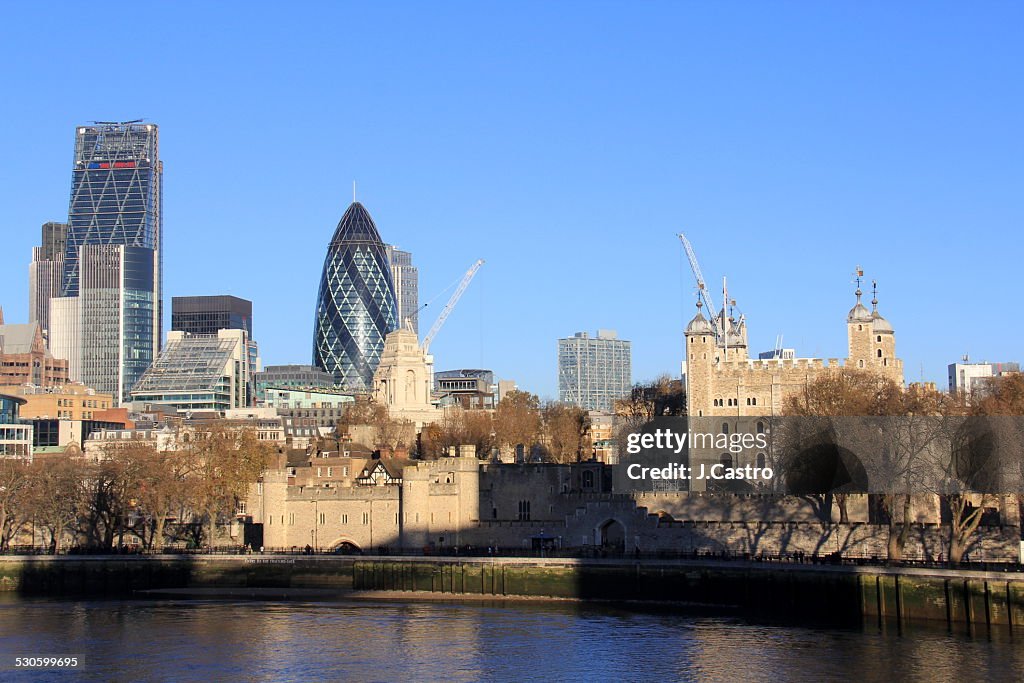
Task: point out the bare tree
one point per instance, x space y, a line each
224 463
14 483
111 484
899 437
661 397
163 488
517 420
56 496
841 392
566 432
458 427
387 432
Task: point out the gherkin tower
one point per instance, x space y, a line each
356 306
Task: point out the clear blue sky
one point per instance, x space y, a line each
565 143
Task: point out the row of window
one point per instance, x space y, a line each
330 471
759 426
322 517
87 403
751 401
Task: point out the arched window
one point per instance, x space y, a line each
860 363
725 427
878 338
760 427
588 479
726 460
761 460
879 353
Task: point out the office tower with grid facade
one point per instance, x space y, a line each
594 372
207 314
108 318
407 293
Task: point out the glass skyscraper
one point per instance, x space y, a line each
45 273
594 372
110 309
207 314
356 306
406 279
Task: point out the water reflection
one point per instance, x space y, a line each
388 641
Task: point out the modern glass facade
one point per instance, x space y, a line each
15 433
112 257
199 373
406 279
115 191
594 372
291 377
356 306
45 273
207 314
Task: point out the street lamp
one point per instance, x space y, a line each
314 532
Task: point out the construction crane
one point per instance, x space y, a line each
456 295
702 290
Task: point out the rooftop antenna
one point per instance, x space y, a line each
874 296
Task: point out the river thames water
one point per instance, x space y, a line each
218 640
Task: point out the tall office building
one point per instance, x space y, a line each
356 305
207 314
593 372
44 273
107 321
407 289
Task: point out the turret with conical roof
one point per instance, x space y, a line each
878 324
859 313
872 340
699 324
699 357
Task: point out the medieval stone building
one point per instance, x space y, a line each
723 380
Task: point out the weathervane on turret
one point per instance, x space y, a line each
858 273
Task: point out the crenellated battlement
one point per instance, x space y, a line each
774 364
